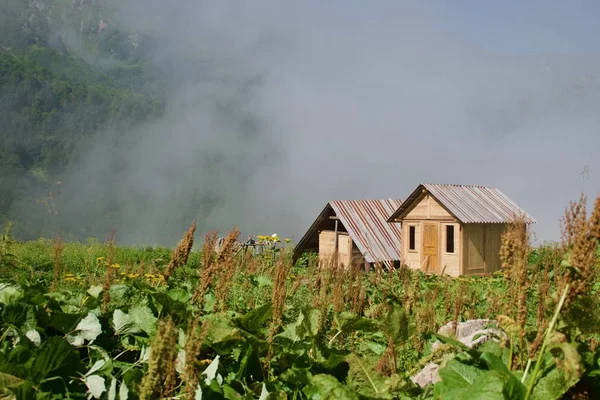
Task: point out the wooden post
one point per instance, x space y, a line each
335 252
336 236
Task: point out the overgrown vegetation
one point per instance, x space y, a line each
57 99
95 320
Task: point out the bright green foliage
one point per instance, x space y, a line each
63 344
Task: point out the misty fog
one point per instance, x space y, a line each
274 109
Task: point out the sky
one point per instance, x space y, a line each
276 108
533 26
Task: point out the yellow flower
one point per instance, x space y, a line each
69 275
70 279
149 275
123 273
287 240
116 266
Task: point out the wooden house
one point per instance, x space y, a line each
358 230
456 229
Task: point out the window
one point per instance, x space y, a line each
449 238
411 238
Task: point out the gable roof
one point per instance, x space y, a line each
468 203
366 223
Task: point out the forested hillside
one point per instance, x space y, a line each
54 100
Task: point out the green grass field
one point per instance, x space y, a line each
81 320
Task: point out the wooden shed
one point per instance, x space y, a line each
358 230
455 228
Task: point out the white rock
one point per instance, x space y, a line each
472 333
428 375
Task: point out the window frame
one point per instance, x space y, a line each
453 228
412 228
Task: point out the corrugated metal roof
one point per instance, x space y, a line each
366 223
470 203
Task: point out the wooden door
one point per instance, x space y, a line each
430 248
344 249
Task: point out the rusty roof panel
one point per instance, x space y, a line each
477 204
366 222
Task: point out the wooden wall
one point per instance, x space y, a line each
481 248
476 246
428 210
450 261
327 247
412 258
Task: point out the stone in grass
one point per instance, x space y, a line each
472 333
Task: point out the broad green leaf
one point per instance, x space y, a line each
34 336
10 293
25 391
363 378
65 323
144 318
458 375
180 363
462 381
211 370
298 377
209 302
571 363
310 323
289 331
557 381
494 362
489 386
88 328
254 320
124 323
20 315
181 338
144 354
20 355
250 365
95 385
451 341
95 291
96 367
264 393
396 324
118 292
349 322
179 295
123 391
55 357
34 294
112 389
102 352
9 381
263 281
376 348
230 393
493 347
326 387
221 332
